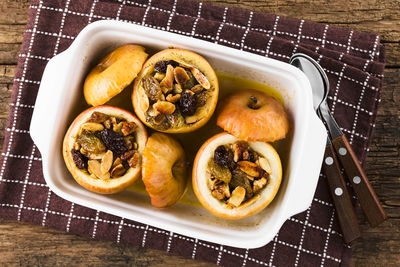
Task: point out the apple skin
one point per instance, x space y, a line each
164 170
268 122
83 178
114 72
250 207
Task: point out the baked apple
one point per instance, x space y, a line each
103 148
252 115
176 91
114 72
164 170
234 179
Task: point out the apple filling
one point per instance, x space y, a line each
237 173
175 92
106 146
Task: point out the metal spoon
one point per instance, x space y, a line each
365 193
341 198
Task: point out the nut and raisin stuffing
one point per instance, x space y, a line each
237 173
174 91
106 146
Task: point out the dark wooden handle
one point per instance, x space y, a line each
341 198
368 200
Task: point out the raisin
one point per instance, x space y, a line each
201 98
161 66
224 157
239 178
91 143
152 88
187 104
79 159
114 141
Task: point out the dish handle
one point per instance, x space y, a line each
49 92
310 166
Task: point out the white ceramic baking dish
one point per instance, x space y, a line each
60 99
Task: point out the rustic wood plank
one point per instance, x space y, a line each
25 244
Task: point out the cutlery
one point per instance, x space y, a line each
341 198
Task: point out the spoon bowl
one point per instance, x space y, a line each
316 75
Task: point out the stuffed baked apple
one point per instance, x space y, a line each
176 91
238 174
235 179
103 149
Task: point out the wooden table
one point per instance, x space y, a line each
25 244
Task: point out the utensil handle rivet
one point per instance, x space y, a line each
342 151
338 191
329 161
356 179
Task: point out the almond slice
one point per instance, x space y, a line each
264 164
237 196
94 168
92 126
164 107
200 78
180 75
118 171
249 168
259 184
106 162
167 82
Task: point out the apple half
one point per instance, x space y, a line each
164 170
114 72
255 204
105 185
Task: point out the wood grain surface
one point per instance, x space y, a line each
32 245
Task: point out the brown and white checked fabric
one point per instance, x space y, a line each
354 63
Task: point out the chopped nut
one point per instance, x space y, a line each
197 88
218 194
117 127
264 164
117 161
192 119
95 156
200 78
77 146
159 76
83 151
127 155
237 196
238 149
152 112
167 82
173 98
259 184
249 168
177 88
94 167
164 107
106 162
98 117
220 191
92 126
118 171
180 75
108 124
130 142
128 127
133 161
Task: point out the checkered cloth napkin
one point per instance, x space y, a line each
354 63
